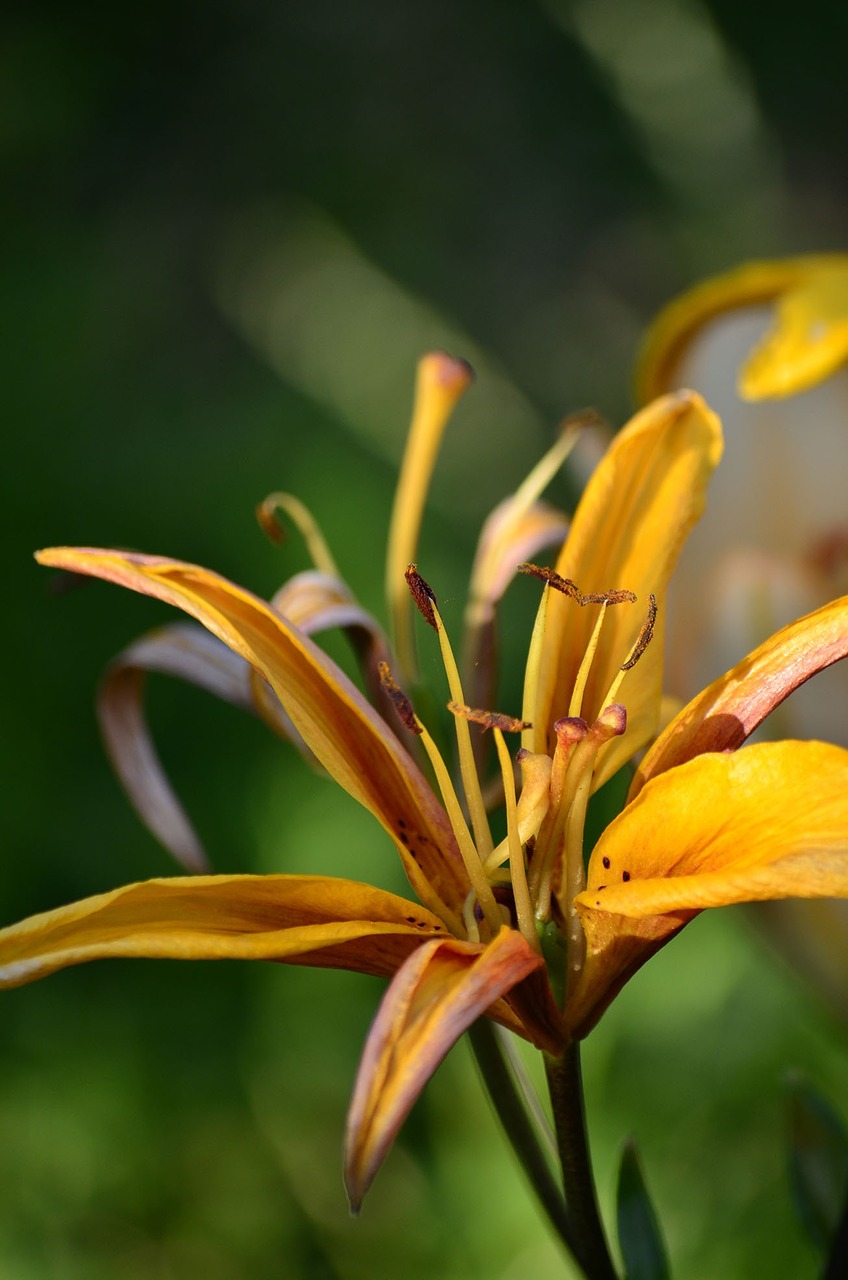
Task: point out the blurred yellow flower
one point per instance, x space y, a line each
767 344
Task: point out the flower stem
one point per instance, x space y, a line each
519 1128
584 1226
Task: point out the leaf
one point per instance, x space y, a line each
639 1235
818 1161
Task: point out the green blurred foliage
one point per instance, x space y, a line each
532 180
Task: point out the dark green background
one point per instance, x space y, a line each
530 181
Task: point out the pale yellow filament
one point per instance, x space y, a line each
545 469
518 871
467 764
533 672
470 856
576 703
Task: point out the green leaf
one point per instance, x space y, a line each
639 1235
818 1161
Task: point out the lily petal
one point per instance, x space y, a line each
440 383
192 654
314 602
732 707
434 997
313 920
512 534
627 533
346 735
807 342
766 822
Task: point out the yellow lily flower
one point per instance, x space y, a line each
700 827
767 344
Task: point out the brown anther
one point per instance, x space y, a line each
644 637
489 719
400 701
552 579
568 588
422 595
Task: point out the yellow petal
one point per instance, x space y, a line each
808 341
314 920
511 535
627 533
314 601
335 721
723 716
441 382
433 999
767 822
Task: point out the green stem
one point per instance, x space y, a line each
585 1228
512 1113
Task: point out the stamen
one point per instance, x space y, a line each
576 704
400 701
422 594
518 871
469 918
571 589
611 723
472 859
489 719
305 523
641 643
533 804
534 668
549 464
559 834
645 635
467 764
440 382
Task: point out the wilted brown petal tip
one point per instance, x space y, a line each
422 595
489 719
400 701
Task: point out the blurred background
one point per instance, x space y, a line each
229 231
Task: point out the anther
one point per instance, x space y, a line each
568 588
489 719
645 634
400 701
422 594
